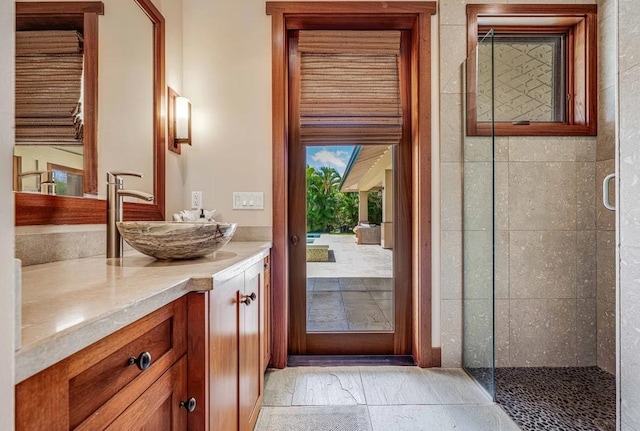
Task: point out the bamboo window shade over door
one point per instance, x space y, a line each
49 67
350 92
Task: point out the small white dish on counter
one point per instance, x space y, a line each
176 240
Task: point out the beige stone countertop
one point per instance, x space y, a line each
68 305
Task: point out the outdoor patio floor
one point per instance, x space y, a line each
354 293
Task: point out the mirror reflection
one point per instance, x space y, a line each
50 145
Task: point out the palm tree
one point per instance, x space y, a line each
330 179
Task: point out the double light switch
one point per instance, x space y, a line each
248 200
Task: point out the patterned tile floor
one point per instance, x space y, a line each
562 399
349 304
555 399
382 398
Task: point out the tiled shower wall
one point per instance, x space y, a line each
546 280
605 164
629 211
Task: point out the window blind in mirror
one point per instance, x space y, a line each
49 67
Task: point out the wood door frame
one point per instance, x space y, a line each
414 17
398 341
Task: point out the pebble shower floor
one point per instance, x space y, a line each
558 399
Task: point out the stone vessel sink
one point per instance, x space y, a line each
176 240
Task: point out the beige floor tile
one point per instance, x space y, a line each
481 418
397 385
338 418
318 386
454 386
410 418
279 386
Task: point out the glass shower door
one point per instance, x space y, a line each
478 216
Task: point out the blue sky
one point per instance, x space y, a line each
335 157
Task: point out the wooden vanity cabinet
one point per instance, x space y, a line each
211 346
236 382
112 384
266 305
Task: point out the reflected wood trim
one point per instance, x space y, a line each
39 209
90 108
301 15
35 209
436 357
17 170
350 343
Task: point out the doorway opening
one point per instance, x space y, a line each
411 157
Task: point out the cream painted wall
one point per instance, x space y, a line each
7 30
125 94
175 164
227 77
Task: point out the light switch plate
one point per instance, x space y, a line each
248 200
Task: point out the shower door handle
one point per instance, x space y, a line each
606 201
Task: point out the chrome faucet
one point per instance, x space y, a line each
45 181
115 193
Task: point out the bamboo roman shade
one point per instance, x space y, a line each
49 68
350 91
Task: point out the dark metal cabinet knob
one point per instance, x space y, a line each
266 266
189 405
295 239
253 296
143 361
246 300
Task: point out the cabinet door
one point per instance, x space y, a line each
223 353
251 355
158 408
265 332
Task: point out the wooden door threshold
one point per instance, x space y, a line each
349 360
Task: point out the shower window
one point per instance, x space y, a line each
545 70
530 70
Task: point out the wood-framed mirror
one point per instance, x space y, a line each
42 209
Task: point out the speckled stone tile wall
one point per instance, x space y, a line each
605 165
545 208
629 211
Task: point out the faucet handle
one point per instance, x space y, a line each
112 176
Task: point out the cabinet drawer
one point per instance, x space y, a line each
104 377
158 408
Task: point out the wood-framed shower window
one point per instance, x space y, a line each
577 24
415 17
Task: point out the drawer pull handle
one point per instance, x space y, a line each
189 405
246 299
143 361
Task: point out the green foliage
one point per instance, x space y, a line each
375 207
329 209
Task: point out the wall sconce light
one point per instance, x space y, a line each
179 121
